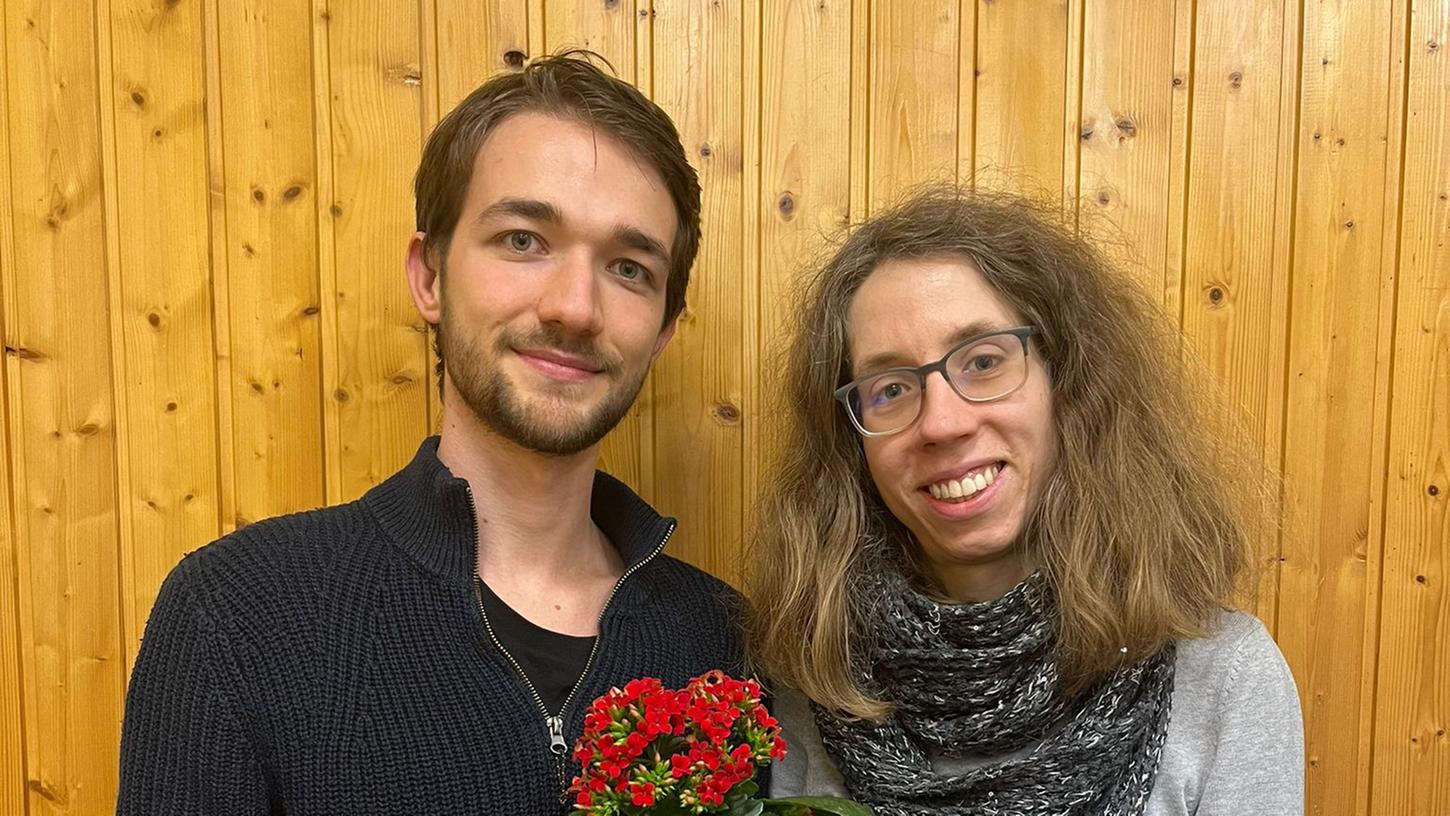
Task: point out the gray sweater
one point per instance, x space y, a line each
1235 743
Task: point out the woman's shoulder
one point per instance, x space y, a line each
1238 654
806 770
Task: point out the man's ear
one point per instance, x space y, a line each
425 283
666 333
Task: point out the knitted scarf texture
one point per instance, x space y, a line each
979 682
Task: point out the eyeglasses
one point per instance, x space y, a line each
984 368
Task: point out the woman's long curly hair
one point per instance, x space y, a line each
1144 526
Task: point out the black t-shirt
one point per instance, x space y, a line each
552 662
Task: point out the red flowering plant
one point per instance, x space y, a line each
647 749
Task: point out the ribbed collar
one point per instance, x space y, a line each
425 510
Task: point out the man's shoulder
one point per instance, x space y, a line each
673 573
681 585
270 554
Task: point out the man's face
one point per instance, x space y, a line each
553 291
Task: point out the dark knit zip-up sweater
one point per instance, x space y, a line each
335 662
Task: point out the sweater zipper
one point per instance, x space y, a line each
554 723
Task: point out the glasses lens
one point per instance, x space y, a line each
989 368
886 403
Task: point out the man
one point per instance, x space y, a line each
432 647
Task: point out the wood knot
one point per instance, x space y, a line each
1178 82
23 353
514 58
1420 579
1216 295
154 319
138 99
157 134
1104 198
340 395
88 429
170 407
1433 490
706 151
1349 225
309 311
1432 46
401 379
1087 131
786 205
291 193
1316 136
1126 127
336 210
726 413
248 251
1236 79
257 387
258 195
408 75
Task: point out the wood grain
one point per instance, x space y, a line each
374 341
269 367
1411 749
913 108
61 412
699 380
1328 590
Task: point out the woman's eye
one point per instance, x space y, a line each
521 241
982 362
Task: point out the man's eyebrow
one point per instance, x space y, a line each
892 359
638 241
529 208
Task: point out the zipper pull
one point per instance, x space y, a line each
556 735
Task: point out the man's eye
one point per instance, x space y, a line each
521 241
631 271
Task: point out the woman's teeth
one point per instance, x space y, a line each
965 487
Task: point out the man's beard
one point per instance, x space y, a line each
551 426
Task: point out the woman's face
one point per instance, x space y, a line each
912 312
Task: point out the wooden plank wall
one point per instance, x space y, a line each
206 204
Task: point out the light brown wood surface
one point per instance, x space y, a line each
205 321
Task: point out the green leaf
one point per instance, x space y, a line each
745 806
824 804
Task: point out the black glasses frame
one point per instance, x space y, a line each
1022 333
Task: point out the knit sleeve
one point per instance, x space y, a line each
1258 765
184 749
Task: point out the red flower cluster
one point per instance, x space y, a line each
648 745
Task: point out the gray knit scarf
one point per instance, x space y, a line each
979 681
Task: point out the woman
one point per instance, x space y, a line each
992 567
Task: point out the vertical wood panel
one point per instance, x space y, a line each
805 156
805 189
1329 583
12 737
1021 95
1235 284
1411 749
164 308
606 27
377 354
271 375
699 382
61 412
474 43
1126 167
913 109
